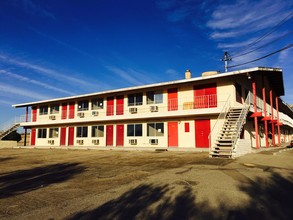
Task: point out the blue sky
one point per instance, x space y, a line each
57 48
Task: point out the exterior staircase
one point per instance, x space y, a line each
8 130
224 147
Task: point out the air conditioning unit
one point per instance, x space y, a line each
133 110
52 117
154 108
154 141
96 142
50 141
80 114
79 142
133 141
95 113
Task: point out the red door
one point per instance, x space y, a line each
71 109
109 135
70 136
63 137
205 96
172 134
34 113
202 132
119 105
172 99
110 106
211 94
33 137
64 111
119 135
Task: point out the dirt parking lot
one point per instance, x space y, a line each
92 184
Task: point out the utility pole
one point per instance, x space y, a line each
226 59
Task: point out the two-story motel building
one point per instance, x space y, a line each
226 113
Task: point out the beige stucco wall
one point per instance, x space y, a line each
8 144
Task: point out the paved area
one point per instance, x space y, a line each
80 184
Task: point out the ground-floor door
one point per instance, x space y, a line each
109 135
202 132
33 137
172 134
70 136
119 135
63 136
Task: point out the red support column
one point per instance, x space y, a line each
265 116
255 118
278 121
272 121
25 129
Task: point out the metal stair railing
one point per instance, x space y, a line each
241 121
8 127
222 115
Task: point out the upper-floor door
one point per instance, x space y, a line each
205 96
172 99
110 106
34 113
64 111
120 105
71 110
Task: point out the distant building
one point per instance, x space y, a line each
227 114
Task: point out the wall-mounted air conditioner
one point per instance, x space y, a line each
154 141
154 108
133 141
133 110
80 114
79 142
52 117
50 141
95 113
96 142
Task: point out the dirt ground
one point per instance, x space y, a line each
94 184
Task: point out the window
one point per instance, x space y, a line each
98 131
154 97
134 130
83 105
81 132
42 133
44 110
238 93
155 129
53 132
54 109
135 99
97 103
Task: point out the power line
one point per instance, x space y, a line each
267 44
284 48
283 21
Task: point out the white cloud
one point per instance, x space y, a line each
130 75
62 77
35 82
33 8
22 92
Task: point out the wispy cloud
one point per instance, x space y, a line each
244 17
59 76
35 82
172 73
130 75
22 92
33 8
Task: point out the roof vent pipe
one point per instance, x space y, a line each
187 74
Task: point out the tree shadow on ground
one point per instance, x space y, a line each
269 199
23 181
3 159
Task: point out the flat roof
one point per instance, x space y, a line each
275 79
